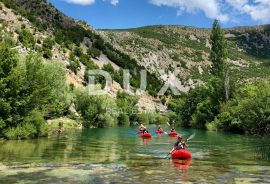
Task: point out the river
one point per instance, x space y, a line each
119 155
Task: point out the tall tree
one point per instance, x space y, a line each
218 53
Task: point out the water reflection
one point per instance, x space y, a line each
121 156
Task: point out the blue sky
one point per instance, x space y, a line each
119 14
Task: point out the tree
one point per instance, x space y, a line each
97 111
218 54
127 105
29 90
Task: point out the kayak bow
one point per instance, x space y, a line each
181 154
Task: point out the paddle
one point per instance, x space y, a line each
188 139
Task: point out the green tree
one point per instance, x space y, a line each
248 112
29 90
127 106
97 111
218 54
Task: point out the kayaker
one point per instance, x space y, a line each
142 127
159 129
180 144
173 129
145 131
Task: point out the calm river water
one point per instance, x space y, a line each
119 155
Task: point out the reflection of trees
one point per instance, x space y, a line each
262 150
21 151
89 145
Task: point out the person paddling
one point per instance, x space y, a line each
180 144
159 129
173 130
145 131
142 128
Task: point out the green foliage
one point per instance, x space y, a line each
47 46
116 75
123 119
48 43
127 105
248 112
29 90
218 54
74 66
176 106
93 52
97 111
27 39
203 103
152 118
143 118
32 126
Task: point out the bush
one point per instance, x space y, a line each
47 53
97 111
93 52
74 66
27 39
248 112
127 104
41 90
23 131
47 46
123 119
143 118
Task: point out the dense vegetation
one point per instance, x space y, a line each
30 90
217 105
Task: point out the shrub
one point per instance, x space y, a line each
93 52
97 111
27 39
41 88
123 119
74 66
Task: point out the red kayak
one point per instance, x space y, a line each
146 135
172 134
160 132
181 154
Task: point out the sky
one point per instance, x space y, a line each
121 14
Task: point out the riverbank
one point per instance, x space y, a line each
63 123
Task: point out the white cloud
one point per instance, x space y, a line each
81 2
258 10
211 8
114 2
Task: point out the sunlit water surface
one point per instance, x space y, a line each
119 155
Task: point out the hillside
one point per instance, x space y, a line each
50 54
186 50
73 43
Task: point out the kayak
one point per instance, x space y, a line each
172 133
160 132
181 154
146 135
